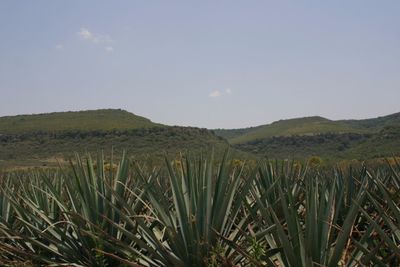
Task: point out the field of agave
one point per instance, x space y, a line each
200 211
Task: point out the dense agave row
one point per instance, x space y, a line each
200 212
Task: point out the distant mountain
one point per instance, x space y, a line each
39 140
304 137
298 126
90 120
308 126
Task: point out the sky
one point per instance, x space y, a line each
214 64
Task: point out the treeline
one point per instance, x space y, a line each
343 140
152 142
327 145
80 134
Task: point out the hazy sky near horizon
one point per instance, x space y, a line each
214 64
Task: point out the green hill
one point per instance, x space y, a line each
42 139
298 126
305 137
32 140
308 126
103 119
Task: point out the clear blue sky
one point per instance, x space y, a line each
210 63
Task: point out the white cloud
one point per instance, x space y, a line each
218 93
59 47
109 49
215 93
87 35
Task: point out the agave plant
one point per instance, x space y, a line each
200 212
384 216
201 205
311 220
6 222
63 219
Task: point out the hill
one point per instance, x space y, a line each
374 124
32 140
298 126
305 137
43 139
90 120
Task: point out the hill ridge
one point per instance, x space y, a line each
99 119
36 138
308 125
